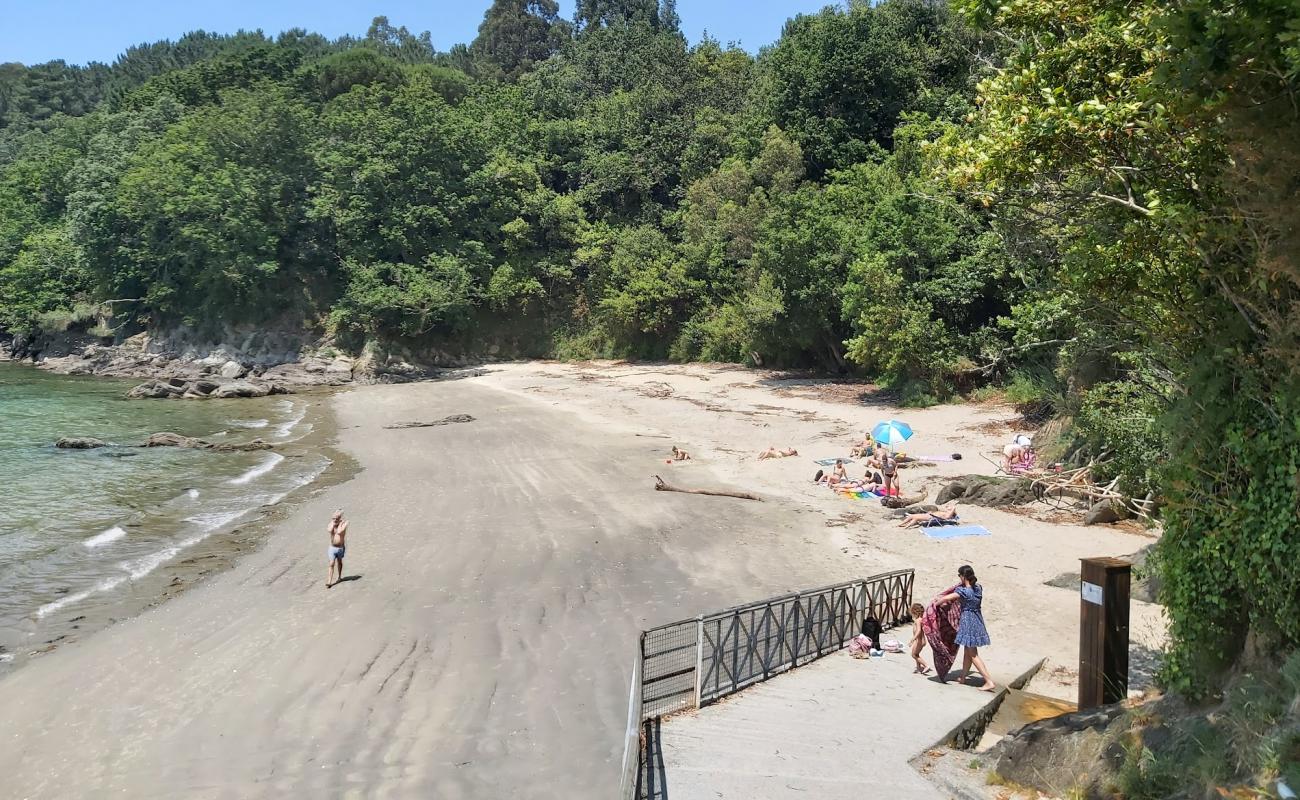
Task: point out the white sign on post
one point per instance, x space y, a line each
1092 593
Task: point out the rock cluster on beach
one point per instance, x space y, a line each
204 388
983 490
163 439
237 362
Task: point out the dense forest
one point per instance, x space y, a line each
1090 204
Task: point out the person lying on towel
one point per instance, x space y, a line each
945 515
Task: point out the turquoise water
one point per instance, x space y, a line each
80 527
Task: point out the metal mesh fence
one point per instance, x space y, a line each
695 661
669 656
751 643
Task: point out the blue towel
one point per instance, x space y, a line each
953 532
826 462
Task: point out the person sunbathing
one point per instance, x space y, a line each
772 452
865 448
928 518
680 455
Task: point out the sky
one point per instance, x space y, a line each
79 31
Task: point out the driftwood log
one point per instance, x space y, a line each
451 420
662 486
904 502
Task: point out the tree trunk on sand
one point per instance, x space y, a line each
903 502
661 486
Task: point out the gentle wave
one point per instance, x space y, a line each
248 423
193 494
207 523
100 539
285 428
102 586
261 469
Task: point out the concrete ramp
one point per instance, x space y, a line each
838 728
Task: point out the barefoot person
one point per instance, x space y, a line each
772 452
971 631
680 454
338 532
918 639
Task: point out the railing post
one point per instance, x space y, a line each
699 658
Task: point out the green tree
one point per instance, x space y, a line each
516 35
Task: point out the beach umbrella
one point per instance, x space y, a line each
892 432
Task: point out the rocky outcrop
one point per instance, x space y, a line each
167 439
1105 512
203 388
1071 755
982 490
79 443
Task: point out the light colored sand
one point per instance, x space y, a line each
505 566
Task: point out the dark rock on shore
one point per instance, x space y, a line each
166 439
79 443
203 388
1072 753
983 490
1105 512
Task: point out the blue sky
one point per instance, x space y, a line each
77 31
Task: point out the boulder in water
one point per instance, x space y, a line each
79 443
241 389
166 439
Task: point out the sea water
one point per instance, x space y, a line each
79 528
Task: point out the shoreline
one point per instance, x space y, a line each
501 570
193 564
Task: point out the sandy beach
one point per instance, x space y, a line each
500 570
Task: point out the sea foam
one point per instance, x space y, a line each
100 539
266 466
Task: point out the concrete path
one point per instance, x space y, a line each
837 728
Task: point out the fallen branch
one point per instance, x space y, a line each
444 421
661 486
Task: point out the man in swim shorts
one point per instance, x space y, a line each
338 533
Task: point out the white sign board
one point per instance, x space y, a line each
1092 593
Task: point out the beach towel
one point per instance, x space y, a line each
956 531
940 628
830 462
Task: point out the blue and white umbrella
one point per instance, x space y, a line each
892 432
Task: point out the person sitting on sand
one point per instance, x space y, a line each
864 448
772 452
680 455
918 639
928 518
338 533
840 473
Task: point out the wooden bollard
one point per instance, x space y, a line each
1103 631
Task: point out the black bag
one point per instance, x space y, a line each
871 628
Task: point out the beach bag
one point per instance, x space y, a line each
860 646
892 646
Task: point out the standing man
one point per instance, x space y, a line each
338 532
889 471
